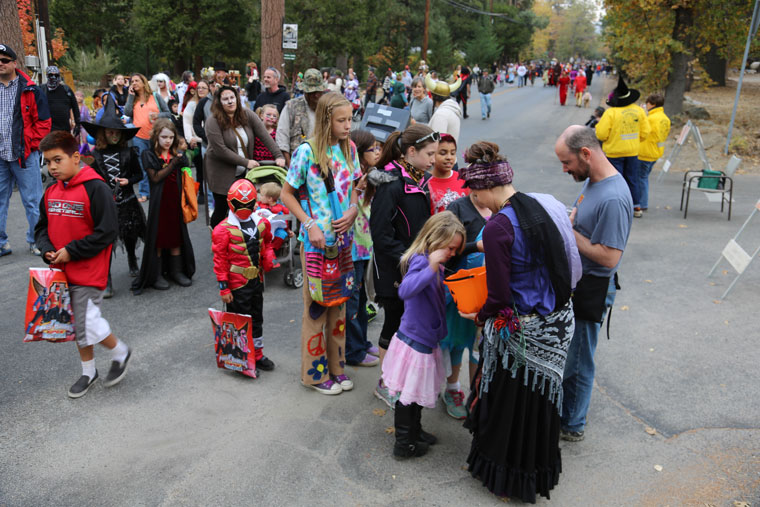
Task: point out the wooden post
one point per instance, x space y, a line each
272 16
425 31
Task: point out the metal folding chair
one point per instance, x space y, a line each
691 181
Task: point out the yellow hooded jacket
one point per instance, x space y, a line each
654 145
621 129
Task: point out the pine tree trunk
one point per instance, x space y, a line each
10 30
272 15
715 66
680 62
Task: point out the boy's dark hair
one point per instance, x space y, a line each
656 100
60 139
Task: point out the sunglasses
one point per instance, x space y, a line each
435 136
6 60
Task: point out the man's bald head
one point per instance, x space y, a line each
576 137
581 154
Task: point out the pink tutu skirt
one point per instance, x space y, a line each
417 376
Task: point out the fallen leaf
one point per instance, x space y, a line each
725 271
737 503
717 301
464 467
713 284
292 320
725 322
393 477
379 412
651 431
624 308
658 468
683 226
651 350
390 430
723 385
648 281
668 207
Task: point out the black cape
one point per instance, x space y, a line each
153 265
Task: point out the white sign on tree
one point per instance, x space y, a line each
289 36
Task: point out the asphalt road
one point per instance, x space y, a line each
179 431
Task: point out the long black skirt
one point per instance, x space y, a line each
515 436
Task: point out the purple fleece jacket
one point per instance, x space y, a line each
424 318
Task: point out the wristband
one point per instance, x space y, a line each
353 205
222 285
308 224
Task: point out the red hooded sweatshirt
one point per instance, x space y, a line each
79 214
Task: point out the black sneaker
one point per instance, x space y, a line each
82 385
265 364
117 371
571 436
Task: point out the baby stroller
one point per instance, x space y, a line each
286 255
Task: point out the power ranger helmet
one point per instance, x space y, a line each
241 198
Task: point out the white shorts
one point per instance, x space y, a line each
89 325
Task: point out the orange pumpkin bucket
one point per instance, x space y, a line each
468 288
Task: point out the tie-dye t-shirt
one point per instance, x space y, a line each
304 169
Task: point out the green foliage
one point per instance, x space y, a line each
88 67
483 48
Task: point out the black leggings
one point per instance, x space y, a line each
220 209
394 309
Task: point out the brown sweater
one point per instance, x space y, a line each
222 157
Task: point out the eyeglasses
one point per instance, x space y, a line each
376 148
435 136
6 60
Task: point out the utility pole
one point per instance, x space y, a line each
42 6
425 31
272 17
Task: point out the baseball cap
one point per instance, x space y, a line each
7 51
312 81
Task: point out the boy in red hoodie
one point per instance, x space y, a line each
77 227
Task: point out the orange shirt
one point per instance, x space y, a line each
140 116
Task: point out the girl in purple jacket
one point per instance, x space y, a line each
413 366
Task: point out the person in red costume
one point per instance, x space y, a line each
580 88
563 81
269 199
238 244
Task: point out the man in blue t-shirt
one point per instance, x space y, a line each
601 219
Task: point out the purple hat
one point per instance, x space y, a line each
481 175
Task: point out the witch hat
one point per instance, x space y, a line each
622 95
110 120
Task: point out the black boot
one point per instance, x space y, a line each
406 445
132 260
161 283
175 271
422 435
108 293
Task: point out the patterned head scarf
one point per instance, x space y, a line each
481 175
53 77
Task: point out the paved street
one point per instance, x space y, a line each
179 431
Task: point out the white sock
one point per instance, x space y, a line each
453 387
120 351
88 368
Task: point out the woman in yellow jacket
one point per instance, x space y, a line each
622 128
654 145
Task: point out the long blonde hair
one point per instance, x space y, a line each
323 131
438 232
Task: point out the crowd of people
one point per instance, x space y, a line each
379 220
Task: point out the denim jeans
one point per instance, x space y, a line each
356 317
578 379
645 168
485 104
29 183
629 168
142 145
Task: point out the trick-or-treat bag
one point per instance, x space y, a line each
48 314
233 341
